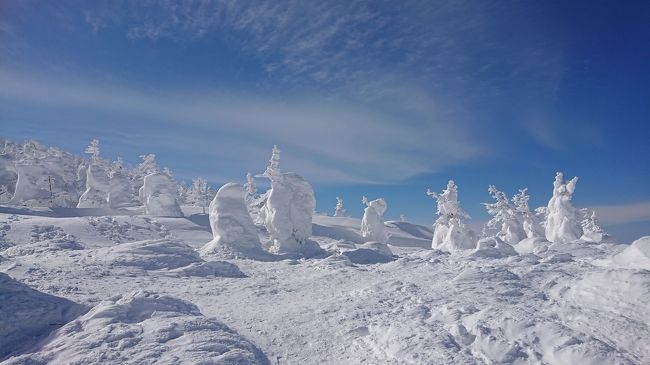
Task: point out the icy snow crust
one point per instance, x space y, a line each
129 289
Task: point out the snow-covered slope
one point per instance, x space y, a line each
154 299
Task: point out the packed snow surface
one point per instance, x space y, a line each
117 287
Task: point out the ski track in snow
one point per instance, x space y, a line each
420 307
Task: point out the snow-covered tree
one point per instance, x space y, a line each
273 168
372 223
340 209
93 150
158 194
198 193
531 222
183 193
450 231
233 230
562 222
147 166
288 210
402 218
250 187
97 188
506 222
592 232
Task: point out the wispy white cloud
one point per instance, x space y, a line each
610 215
331 140
362 46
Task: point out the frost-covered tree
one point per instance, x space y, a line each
250 187
592 232
372 223
93 150
148 165
97 188
158 194
402 218
198 194
340 209
505 223
531 222
288 210
273 168
450 231
562 222
183 193
233 230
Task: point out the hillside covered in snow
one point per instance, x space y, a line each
108 264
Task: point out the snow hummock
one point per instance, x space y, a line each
97 188
635 256
493 247
287 214
27 315
167 256
233 230
371 252
159 196
562 224
145 328
372 223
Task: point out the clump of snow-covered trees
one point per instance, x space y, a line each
512 221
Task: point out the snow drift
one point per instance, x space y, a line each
27 315
145 328
164 256
636 256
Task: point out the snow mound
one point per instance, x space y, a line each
27 315
636 256
45 238
618 297
145 328
528 245
370 253
233 230
159 196
493 247
172 256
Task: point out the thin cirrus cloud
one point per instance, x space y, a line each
623 213
355 144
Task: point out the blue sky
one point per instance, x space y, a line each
376 98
